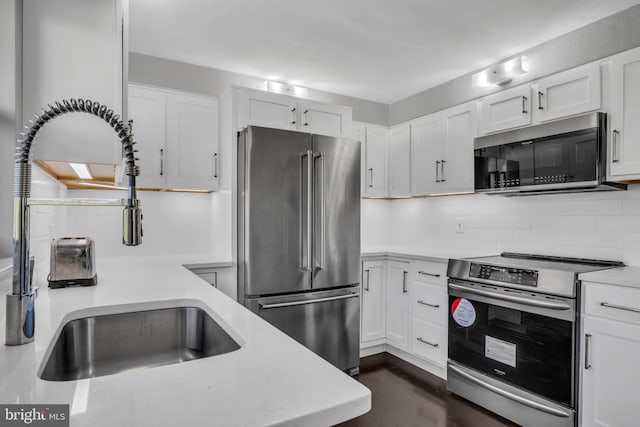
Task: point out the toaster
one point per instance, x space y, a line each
72 262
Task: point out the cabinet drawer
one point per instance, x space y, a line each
429 302
431 272
429 341
612 302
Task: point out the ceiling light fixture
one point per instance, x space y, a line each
500 74
82 170
285 88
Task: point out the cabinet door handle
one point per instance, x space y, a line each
587 341
426 342
524 104
620 307
306 117
428 304
614 149
404 282
293 110
215 165
442 179
428 274
437 173
366 288
540 107
370 177
161 161
215 279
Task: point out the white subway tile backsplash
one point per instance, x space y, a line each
591 225
596 206
564 223
507 221
630 224
631 207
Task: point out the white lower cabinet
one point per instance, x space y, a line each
397 331
374 281
218 277
610 345
404 305
429 341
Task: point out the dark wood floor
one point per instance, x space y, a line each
404 395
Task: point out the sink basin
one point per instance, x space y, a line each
107 344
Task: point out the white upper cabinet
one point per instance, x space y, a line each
567 93
148 110
260 108
375 167
624 117
505 110
74 49
192 132
459 128
358 133
426 154
324 119
177 137
267 109
400 160
442 151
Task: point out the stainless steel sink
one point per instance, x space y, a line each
107 344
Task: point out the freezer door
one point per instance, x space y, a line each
273 209
336 219
326 322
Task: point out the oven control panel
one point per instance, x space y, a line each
516 276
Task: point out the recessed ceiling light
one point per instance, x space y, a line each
82 170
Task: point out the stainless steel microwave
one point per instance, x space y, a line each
564 156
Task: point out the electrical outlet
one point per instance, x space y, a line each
459 225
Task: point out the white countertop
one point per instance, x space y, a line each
622 276
270 380
426 254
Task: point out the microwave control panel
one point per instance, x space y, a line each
516 276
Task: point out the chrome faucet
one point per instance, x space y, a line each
20 315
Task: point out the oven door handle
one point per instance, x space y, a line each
513 298
509 395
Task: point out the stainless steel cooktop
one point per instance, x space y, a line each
537 273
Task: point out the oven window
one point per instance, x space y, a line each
525 349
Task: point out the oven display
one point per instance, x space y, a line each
516 276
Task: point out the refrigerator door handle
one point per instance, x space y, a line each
309 209
305 245
322 265
309 301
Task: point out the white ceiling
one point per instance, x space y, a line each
380 50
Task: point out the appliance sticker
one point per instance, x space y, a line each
502 351
463 312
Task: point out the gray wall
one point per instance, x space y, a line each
603 38
10 40
194 78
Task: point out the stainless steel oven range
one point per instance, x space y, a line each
513 329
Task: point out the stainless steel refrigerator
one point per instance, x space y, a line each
299 237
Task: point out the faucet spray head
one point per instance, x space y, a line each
132 224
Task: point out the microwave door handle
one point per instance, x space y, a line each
509 395
494 179
512 298
503 179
